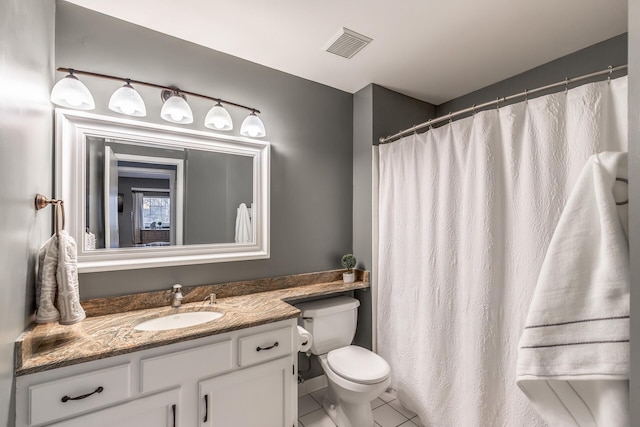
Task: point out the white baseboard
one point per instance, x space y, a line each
311 385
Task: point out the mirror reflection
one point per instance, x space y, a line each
146 195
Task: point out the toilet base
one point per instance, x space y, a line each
344 413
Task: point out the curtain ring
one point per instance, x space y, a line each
473 108
450 121
566 84
609 76
497 103
526 95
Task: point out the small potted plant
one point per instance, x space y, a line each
348 262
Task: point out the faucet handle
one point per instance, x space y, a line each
177 288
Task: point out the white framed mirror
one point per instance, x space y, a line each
140 195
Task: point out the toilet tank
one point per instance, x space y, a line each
331 321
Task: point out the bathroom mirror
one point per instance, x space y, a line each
140 195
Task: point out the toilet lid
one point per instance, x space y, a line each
358 364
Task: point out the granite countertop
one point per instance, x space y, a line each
50 346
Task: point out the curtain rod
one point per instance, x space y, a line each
497 101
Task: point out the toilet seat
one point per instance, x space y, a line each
358 364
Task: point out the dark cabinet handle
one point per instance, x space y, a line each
267 348
173 409
84 396
206 408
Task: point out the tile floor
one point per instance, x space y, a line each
387 412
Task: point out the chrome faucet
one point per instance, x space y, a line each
211 298
176 296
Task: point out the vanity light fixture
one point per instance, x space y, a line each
71 93
252 126
218 118
175 108
126 100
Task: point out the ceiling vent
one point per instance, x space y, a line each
346 43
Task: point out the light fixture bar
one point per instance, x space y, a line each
157 86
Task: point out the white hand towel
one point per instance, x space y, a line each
244 229
573 360
46 286
67 279
57 289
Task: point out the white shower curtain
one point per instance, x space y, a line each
466 212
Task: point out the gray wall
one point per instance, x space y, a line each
593 58
26 122
634 202
309 126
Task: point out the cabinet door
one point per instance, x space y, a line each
158 410
258 396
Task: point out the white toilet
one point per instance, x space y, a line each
355 375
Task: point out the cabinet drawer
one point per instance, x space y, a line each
175 368
265 346
57 399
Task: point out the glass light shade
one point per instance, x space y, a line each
252 126
218 118
176 110
71 93
127 101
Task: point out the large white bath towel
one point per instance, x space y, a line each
573 361
57 288
244 230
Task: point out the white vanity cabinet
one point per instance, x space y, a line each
256 396
242 378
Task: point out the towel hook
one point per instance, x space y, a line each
42 202
626 181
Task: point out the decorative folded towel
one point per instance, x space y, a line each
244 230
46 285
573 360
57 288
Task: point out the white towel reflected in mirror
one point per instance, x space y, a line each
244 229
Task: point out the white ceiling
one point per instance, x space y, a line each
434 51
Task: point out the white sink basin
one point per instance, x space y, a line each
177 321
